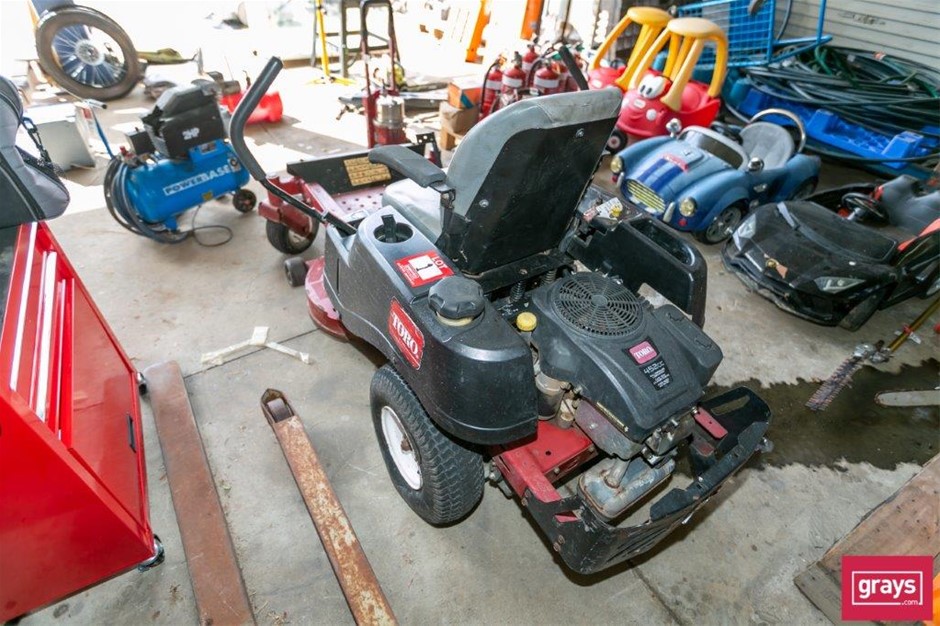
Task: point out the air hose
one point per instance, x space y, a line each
122 210
881 93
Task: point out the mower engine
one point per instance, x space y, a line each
179 160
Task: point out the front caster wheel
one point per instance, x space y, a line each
296 270
244 200
158 556
440 478
287 241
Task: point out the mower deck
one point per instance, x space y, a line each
722 443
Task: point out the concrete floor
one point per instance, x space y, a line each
733 564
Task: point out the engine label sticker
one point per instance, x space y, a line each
406 334
362 172
422 269
643 352
651 364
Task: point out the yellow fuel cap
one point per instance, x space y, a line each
526 322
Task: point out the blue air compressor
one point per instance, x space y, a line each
178 160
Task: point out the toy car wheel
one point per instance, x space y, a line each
296 270
287 241
244 200
440 478
722 226
861 312
616 142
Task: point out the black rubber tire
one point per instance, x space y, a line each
451 473
56 20
707 237
295 268
244 200
861 312
283 240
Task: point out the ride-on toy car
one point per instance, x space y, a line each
505 300
651 22
653 99
819 265
704 180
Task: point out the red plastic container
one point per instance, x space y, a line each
270 109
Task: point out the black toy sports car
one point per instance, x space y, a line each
818 259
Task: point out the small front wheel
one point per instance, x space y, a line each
296 270
616 142
244 200
722 226
287 241
440 478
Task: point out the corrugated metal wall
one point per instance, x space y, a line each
908 28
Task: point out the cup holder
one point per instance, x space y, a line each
393 232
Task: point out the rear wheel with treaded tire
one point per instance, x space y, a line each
287 241
440 478
722 226
861 312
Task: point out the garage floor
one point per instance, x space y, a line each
733 564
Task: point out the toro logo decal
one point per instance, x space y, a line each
405 334
421 269
887 588
643 352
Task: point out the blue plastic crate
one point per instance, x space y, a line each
751 38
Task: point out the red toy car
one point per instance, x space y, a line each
654 98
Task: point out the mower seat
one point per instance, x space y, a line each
771 143
517 178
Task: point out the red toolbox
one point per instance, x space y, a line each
73 483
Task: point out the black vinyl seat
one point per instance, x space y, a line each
516 177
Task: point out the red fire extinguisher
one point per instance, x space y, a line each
546 80
491 88
513 81
563 75
528 59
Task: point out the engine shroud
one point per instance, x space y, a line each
638 365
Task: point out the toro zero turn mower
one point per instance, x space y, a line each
504 297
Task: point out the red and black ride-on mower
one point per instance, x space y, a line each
505 300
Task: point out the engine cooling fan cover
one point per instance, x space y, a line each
596 305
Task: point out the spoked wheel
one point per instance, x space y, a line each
87 53
439 478
722 226
244 200
287 241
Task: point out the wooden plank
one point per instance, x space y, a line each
906 524
220 593
364 595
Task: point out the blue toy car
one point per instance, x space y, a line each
704 180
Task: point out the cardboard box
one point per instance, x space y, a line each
463 94
457 121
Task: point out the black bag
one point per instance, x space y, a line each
30 189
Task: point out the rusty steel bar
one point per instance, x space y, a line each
364 595
221 598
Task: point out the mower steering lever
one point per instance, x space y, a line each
237 136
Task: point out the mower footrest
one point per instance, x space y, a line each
588 544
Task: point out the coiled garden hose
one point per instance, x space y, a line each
875 91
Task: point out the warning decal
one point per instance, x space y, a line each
424 268
362 172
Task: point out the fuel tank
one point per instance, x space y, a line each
475 380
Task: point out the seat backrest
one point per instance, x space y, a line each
519 174
771 143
